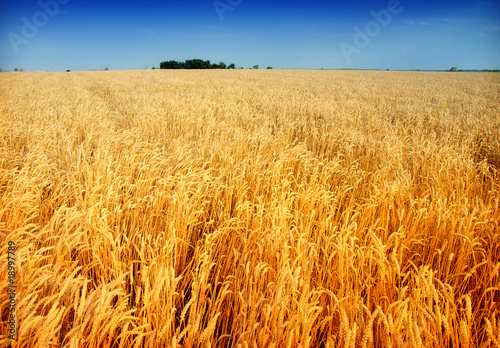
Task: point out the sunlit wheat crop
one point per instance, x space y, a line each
251 208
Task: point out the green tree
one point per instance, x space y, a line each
256 66
16 69
194 64
198 64
172 64
454 69
269 67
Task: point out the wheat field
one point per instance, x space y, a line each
251 208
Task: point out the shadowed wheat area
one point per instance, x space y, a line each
251 208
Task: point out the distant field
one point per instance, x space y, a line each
251 208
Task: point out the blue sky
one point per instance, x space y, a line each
55 35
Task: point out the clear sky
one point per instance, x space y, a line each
55 35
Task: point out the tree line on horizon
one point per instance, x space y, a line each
195 64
